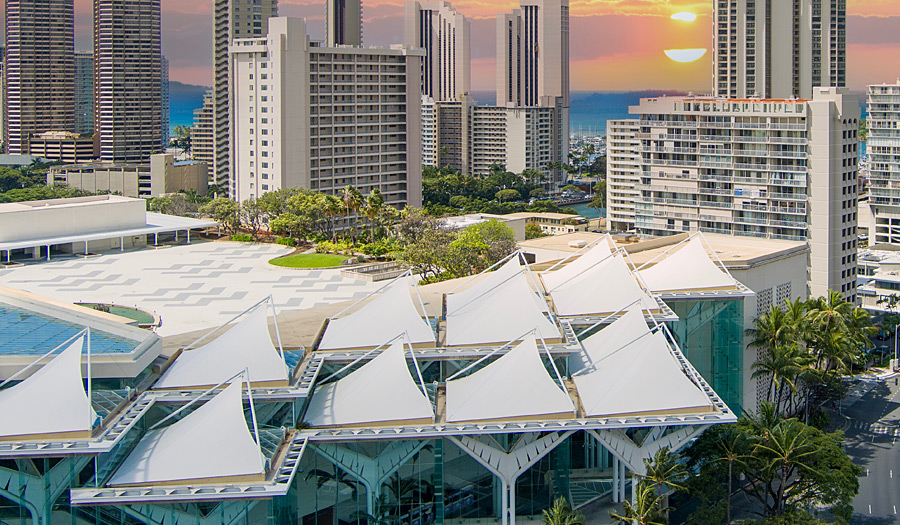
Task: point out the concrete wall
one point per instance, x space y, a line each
61 217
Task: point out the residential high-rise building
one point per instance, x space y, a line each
883 147
39 70
164 88
127 79
778 48
444 35
84 92
533 53
324 118
203 133
343 23
231 19
774 168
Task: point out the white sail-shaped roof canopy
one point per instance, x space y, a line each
687 268
642 378
381 392
390 314
487 281
52 402
585 262
625 331
516 386
498 315
211 445
246 345
605 288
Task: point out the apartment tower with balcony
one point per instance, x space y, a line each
883 148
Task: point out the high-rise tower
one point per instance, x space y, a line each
232 19
84 92
444 35
533 53
343 23
39 70
778 48
127 79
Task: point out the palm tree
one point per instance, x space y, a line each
644 510
352 200
562 514
731 442
373 206
340 479
667 473
781 364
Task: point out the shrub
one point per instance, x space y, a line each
286 241
334 247
242 237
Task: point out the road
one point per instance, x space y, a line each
872 442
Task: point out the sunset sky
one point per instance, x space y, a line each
615 44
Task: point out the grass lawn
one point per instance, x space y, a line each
309 260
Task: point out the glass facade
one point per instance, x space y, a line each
710 333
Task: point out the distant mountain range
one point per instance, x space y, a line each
183 100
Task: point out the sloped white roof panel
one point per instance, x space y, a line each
627 330
211 442
688 268
390 314
492 280
640 378
52 400
500 315
247 344
380 391
585 262
608 287
515 386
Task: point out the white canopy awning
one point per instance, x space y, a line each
247 344
687 268
211 444
625 331
50 401
390 314
381 391
583 263
500 315
641 378
516 386
488 281
606 288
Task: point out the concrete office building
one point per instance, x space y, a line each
884 168
231 19
164 81
63 146
127 79
778 49
39 70
160 176
533 53
84 92
471 138
444 35
324 118
343 23
203 133
778 169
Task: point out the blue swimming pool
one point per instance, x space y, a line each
23 332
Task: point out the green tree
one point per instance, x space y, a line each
561 513
599 200
182 138
224 211
644 510
667 473
252 214
571 188
533 231
508 195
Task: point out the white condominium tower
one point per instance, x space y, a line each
127 79
770 168
778 48
343 23
39 70
232 19
444 35
884 156
533 53
324 118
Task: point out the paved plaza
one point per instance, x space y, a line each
191 287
